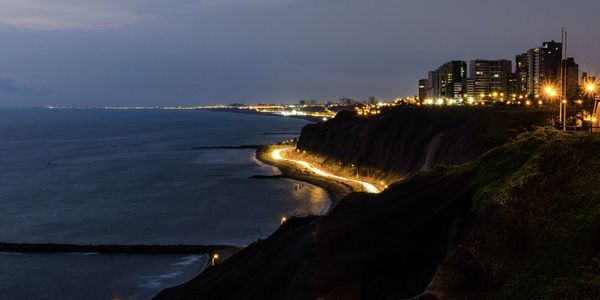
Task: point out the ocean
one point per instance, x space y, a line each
93 176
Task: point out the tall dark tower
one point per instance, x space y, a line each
571 78
423 83
550 58
522 74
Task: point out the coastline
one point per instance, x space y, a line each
335 189
254 112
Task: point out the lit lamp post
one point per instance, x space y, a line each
550 91
590 89
550 94
214 259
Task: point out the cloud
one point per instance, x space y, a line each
99 14
67 14
10 87
209 3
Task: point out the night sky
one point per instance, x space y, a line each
193 52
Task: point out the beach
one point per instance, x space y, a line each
335 189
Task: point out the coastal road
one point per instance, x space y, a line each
276 154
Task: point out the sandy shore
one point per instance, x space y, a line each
336 190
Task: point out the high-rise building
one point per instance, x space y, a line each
452 79
538 67
470 89
512 88
551 56
423 84
446 82
460 89
490 78
571 76
433 89
534 79
521 71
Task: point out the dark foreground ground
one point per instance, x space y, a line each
520 222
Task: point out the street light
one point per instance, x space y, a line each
550 92
590 89
214 258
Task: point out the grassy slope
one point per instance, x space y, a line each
537 222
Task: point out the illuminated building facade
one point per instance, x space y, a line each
490 78
521 74
452 79
537 67
446 82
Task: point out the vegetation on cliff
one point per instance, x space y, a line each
535 233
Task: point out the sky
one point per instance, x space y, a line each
197 52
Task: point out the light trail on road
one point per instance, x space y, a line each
276 154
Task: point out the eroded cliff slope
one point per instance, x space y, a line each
409 139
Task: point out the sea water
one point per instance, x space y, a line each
95 176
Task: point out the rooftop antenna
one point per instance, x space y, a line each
564 83
561 116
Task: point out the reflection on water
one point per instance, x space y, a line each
317 198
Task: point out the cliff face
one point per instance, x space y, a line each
535 230
412 139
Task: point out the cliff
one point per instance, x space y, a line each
408 139
535 225
520 221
